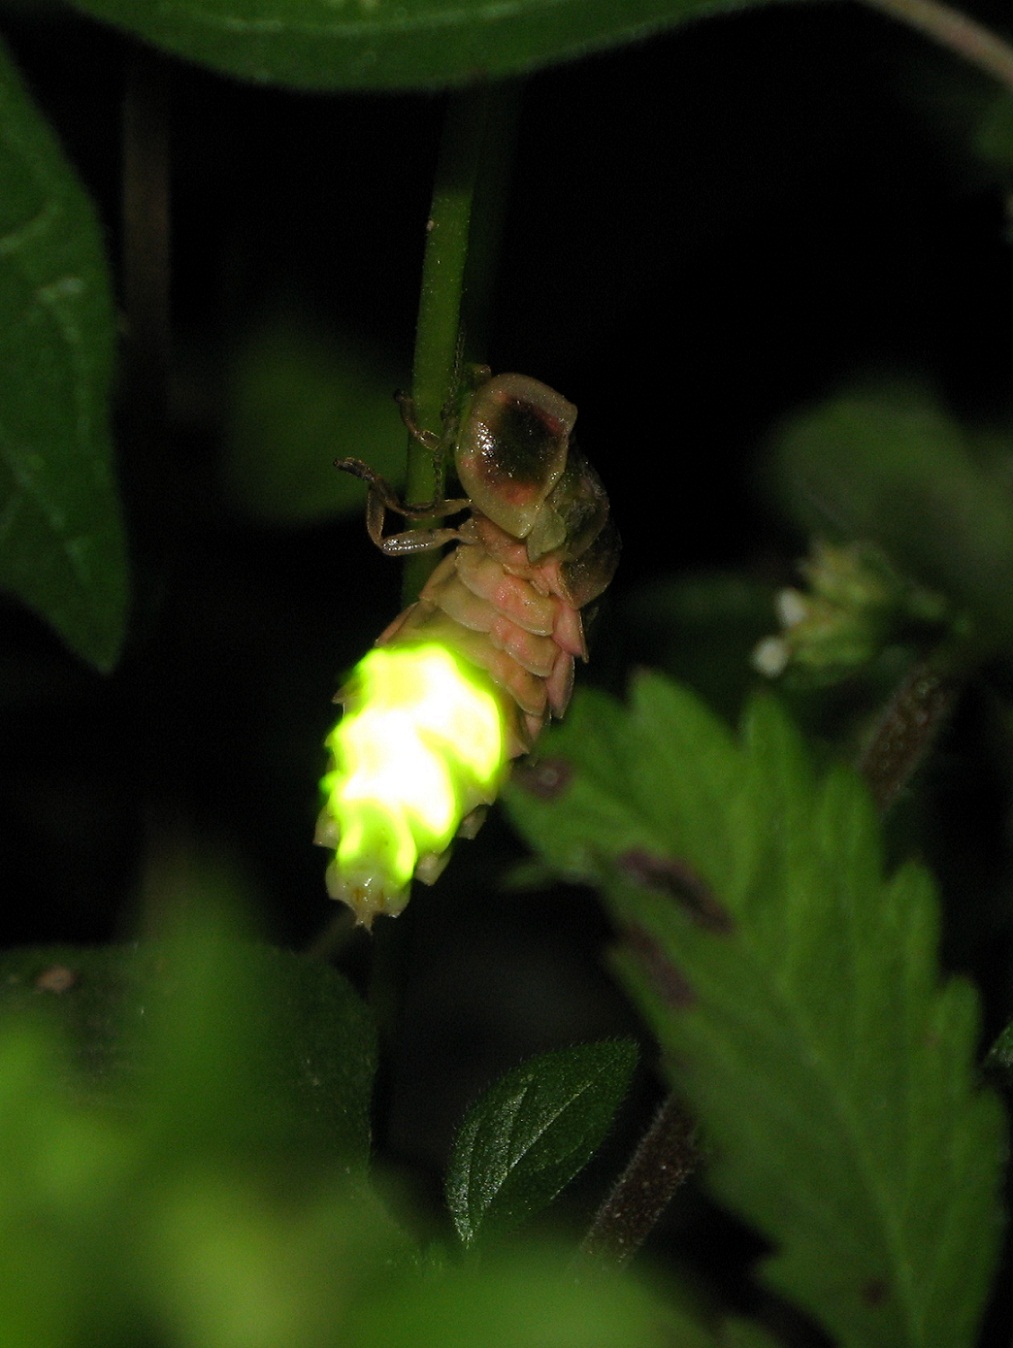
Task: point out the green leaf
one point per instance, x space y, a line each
795 989
228 1261
61 1165
253 1048
889 466
365 44
94 996
221 1043
1001 1052
102 1230
566 799
208 1184
523 1296
61 541
531 1133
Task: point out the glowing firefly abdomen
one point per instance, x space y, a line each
464 679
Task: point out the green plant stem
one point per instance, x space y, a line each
955 31
666 1155
462 234
462 244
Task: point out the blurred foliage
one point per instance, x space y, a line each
213 1191
300 397
889 466
769 258
311 45
185 1133
854 605
228 1043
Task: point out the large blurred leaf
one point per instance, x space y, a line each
365 44
253 1047
888 465
227 1262
128 1217
531 1133
108 1236
203 1180
526 1296
61 542
60 1162
795 990
222 1043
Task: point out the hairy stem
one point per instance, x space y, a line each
461 243
959 33
667 1154
907 729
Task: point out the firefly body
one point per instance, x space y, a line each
504 611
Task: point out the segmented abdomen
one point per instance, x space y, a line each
464 679
519 620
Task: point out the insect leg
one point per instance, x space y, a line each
406 406
382 497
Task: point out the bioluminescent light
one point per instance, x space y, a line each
466 677
420 746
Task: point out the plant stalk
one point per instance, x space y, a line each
956 31
462 233
907 729
666 1156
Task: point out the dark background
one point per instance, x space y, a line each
706 232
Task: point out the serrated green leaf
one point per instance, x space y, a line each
890 466
796 992
368 44
531 1133
585 823
574 767
61 540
